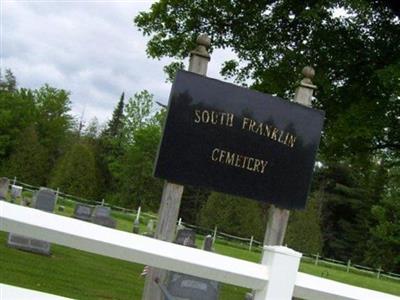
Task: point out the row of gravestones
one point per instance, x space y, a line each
100 215
45 199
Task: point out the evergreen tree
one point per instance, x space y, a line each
8 83
304 231
234 215
115 125
110 149
29 162
76 172
383 249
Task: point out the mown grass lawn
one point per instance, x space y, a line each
81 275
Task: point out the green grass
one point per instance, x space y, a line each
77 274
354 277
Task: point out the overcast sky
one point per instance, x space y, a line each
90 48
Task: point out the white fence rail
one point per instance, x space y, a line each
249 242
9 292
272 276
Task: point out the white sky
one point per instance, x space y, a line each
90 48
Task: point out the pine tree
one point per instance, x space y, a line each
76 172
115 125
304 231
9 83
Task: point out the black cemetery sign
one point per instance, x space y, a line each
238 141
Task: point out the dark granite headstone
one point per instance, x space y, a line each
4 183
83 212
186 237
102 216
208 243
45 200
102 211
190 287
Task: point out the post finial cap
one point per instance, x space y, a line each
308 72
203 40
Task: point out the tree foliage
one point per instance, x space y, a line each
32 122
304 232
234 215
136 184
384 246
29 161
353 45
76 172
138 113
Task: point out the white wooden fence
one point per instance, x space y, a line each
276 278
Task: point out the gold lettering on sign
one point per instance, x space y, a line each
236 160
213 117
216 118
197 117
269 131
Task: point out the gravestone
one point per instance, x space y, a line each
83 212
16 191
28 244
186 237
183 286
102 216
208 243
45 200
136 226
150 228
4 183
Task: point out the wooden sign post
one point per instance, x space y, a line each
172 193
278 218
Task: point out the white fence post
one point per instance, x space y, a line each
283 264
316 259
215 234
348 266
251 242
